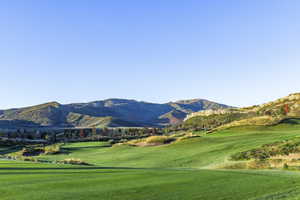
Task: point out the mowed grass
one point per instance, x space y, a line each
26 181
86 144
182 170
208 151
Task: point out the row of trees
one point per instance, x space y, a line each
78 134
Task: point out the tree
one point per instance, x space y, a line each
81 133
286 109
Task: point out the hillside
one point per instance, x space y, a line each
106 113
207 151
270 113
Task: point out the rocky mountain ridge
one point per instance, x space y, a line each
105 113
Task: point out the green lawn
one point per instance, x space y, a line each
203 152
44 181
184 170
86 144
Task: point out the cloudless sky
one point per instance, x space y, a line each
230 51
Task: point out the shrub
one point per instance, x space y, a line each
53 149
159 139
270 150
152 141
258 165
31 151
123 141
188 136
29 159
73 161
112 142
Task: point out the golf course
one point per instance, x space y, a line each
193 168
149 100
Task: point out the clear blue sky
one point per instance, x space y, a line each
234 52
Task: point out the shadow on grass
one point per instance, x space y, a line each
66 171
10 150
10 162
9 170
84 147
72 168
69 150
60 173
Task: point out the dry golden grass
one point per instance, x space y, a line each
52 149
73 161
152 141
258 121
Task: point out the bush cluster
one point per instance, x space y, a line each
214 120
73 161
159 140
269 150
52 149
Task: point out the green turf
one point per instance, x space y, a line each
43 181
86 144
202 152
173 171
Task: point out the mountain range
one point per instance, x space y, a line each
105 113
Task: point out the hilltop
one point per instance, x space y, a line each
271 113
105 113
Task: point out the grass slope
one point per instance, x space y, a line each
203 152
23 181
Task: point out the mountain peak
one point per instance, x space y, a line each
123 111
189 101
49 104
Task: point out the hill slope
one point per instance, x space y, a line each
110 112
208 151
266 114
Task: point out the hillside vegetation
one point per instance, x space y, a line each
266 114
205 151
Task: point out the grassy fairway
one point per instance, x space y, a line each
204 152
175 171
43 181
